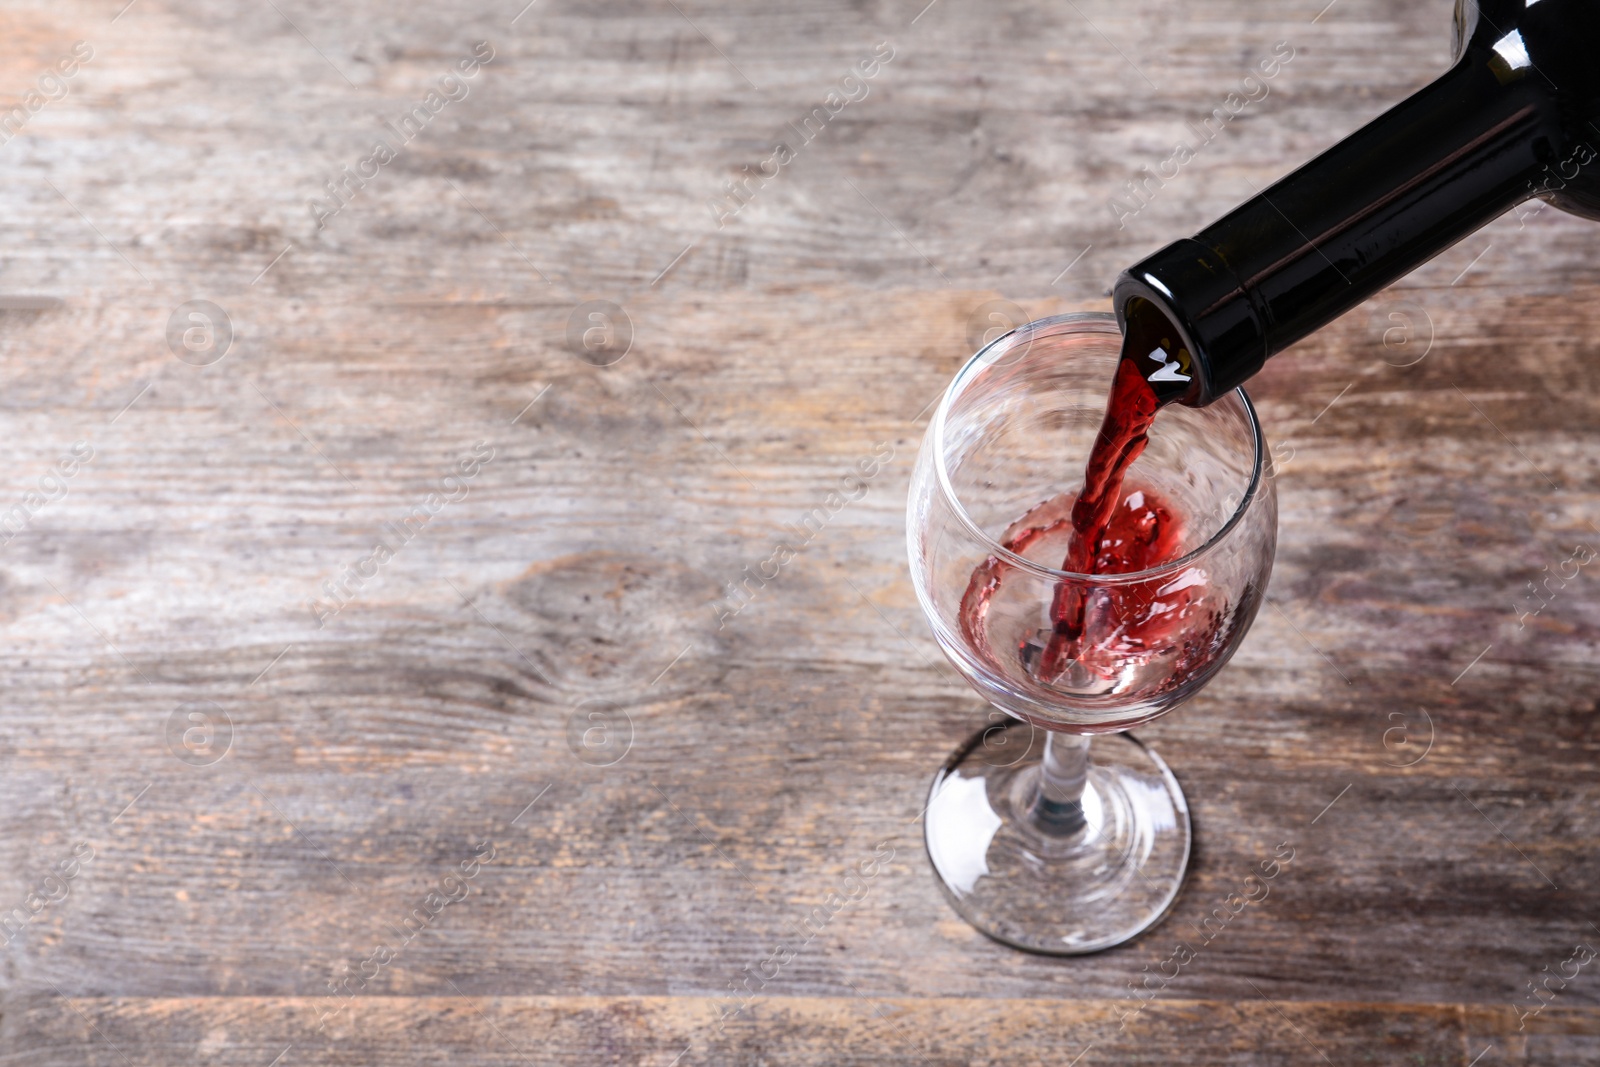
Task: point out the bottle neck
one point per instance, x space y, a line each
1369 210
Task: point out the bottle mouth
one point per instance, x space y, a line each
992 356
1216 315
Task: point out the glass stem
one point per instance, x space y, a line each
1058 806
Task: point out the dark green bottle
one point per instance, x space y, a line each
1517 116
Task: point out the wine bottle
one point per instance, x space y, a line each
1517 116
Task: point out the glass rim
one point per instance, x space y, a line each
968 373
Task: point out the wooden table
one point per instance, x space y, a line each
533 793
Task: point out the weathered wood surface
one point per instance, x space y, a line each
369 757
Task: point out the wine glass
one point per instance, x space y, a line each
1052 829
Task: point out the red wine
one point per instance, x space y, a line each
1104 634
1113 644
1155 370
1120 628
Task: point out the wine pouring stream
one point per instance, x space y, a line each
1101 608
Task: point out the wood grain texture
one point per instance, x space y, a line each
798 1030
1437 450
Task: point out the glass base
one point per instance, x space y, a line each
1060 880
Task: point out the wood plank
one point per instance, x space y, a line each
788 1030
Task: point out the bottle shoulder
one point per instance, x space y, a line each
1543 54
1583 202
1552 43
